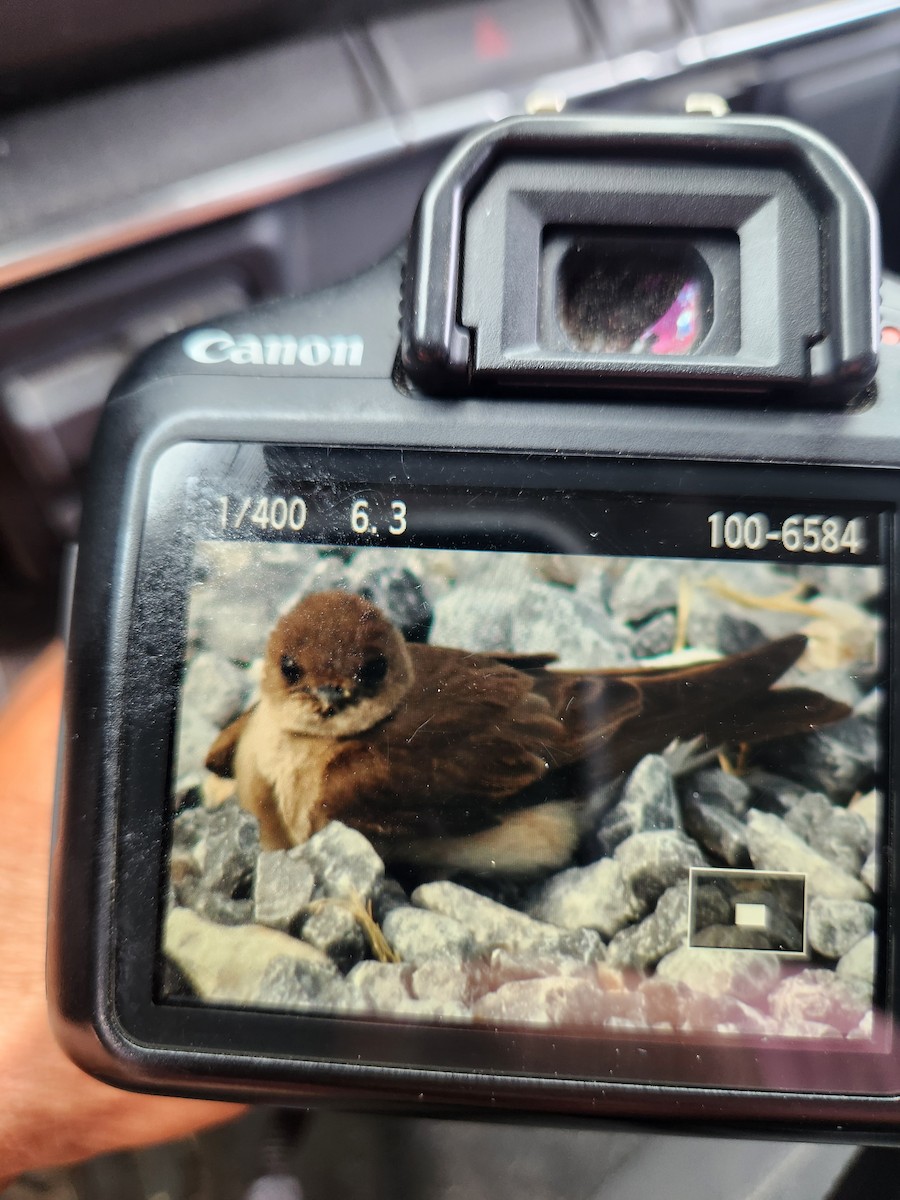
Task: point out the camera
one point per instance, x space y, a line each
492 710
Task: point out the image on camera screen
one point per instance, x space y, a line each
503 789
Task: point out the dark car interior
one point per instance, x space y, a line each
164 164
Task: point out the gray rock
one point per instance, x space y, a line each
344 863
654 637
187 791
388 896
835 926
235 628
195 736
737 634
771 792
385 988
654 861
739 974
648 801
418 935
494 925
845 839
470 618
709 606
643 945
336 932
400 596
189 831
840 835
807 812
717 831
214 853
719 789
870 872
646 587
582 946
226 964
218 908
214 689
580 633
859 961
231 850
282 888
188 851
775 847
837 760
594 897
382 987
293 985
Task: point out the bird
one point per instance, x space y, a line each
471 761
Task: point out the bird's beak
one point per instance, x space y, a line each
332 698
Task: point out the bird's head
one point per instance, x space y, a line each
335 666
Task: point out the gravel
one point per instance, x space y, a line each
775 847
648 802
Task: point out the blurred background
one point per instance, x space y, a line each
161 164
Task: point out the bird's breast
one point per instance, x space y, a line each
295 766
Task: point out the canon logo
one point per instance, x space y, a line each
210 346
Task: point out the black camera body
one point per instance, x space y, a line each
495 713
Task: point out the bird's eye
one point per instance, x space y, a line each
371 673
290 670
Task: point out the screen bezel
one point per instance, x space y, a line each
151 690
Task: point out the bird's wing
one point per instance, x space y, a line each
220 756
469 739
731 700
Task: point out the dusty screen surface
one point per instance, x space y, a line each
513 789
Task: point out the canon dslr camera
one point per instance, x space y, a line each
496 711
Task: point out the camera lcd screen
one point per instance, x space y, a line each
606 764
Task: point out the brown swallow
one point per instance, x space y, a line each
473 761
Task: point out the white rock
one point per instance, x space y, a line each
745 975
226 963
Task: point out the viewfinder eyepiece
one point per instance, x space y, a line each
728 256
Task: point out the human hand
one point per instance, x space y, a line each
51 1113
